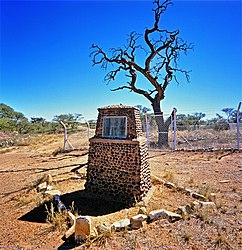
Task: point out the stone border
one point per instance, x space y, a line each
186 191
81 225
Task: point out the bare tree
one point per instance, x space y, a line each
197 119
161 49
229 112
142 110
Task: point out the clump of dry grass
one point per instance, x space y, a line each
222 241
190 181
101 239
205 190
29 193
58 220
36 182
61 150
44 139
22 142
58 151
170 176
202 215
155 181
186 235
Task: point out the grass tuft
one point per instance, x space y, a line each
170 176
221 241
186 236
205 191
56 219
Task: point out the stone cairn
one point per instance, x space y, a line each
118 168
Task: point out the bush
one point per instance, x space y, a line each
221 126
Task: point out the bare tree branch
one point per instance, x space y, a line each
161 50
161 58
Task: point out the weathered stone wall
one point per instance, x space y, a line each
134 126
118 169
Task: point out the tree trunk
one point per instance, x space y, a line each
163 126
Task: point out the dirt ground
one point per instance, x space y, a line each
23 216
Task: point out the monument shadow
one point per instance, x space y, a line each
85 203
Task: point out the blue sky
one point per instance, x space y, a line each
46 69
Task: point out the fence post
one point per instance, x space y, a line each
238 126
65 134
174 128
147 131
88 129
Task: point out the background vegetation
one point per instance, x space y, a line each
198 119
13 121
16 128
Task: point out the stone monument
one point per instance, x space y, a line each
118 168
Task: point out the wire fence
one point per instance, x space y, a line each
175 137
165 132
77 138
207 137
159 131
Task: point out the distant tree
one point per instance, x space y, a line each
7 125
10 120
70 120
24 127
161 50
234 116
182 122
218 123
40 125
197 119
229 113
219 117
92 123
40 120
143 110
18 117
6 111
185 121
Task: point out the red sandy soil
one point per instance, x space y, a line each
204 172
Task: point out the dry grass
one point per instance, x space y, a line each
23 199
198 139
99 239
60 150
186 235
205 191
58 220
170 176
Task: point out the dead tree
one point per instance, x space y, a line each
160 49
